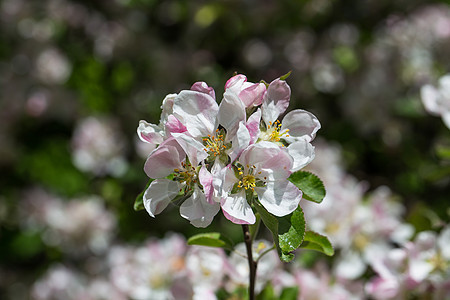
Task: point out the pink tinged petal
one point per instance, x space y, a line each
302 152
253 95
253 125
280 198
193 148
234 81
240 141
223 182
276 100
197 111
269 157
236 209
231 112
197 210
173 125
150 133
159 194
206 180
164 159
301 124
203 88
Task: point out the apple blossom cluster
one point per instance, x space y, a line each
162 269
76 226
210 156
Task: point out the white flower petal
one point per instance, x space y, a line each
280 198
197 210
240 141
301 124
193 148
159 194
231 113
197 111
150 133
430 98
236 209
302 152
167 107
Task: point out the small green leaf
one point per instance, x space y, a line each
139 202
285 76
211 239
287 231
315 241
311 185
291 230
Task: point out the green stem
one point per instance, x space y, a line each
251 263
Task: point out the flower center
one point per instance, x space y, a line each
187 175
249 180
214 144
275 133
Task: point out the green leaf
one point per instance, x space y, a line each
291 230
289 293
285 76
211 239
318 242
139 202
287 231
311 185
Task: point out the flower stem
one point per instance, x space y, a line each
251 263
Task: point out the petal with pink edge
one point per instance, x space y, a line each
253 94
276 100
206 180
159 194
236 209
235 81
197 210
301 124
280 198
164 159
203 88
197 111
253 125
149 133
173 125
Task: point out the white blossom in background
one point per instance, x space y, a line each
76 225
59 282
318 284
148 271
99 147
268 266
436 99
420 268
53 67
362 229
206 268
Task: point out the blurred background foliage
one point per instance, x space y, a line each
357 65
